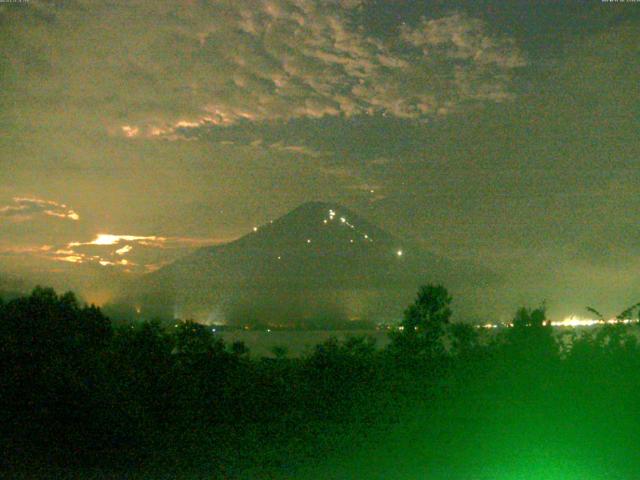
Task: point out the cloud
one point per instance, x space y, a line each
380 161
143 251
28 208
160 70
296 149
458 36
124 250
130 253
355 181
11 250
300 61
110 239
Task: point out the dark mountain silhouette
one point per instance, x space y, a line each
320 262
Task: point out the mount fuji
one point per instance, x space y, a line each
319 264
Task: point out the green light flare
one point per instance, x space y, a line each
553 466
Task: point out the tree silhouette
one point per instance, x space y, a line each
74 389
194 338
464 339
279 351
239 349
531 337
626 314
533 318
424 323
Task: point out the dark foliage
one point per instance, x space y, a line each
78 393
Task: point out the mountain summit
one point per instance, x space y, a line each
320 262
326 224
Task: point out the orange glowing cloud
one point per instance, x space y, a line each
26 208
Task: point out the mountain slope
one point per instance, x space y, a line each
320 261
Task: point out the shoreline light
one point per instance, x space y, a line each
572 321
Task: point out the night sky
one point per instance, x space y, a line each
502 132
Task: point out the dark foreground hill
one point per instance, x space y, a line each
84 399
320 263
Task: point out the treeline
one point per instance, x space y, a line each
77 392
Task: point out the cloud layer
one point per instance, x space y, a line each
133 253
294 59
220 62
28 208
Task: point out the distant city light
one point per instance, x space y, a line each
572 321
